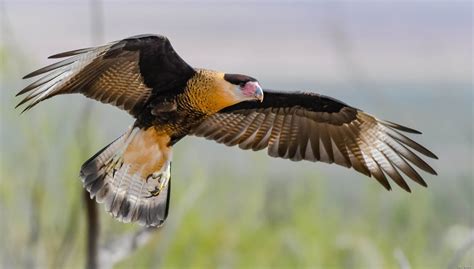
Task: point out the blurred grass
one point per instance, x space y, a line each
245 217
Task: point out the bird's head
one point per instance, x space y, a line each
246 88
212 91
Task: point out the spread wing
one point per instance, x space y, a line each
307 126
123 73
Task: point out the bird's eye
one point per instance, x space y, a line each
243 83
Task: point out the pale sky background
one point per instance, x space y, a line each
390 40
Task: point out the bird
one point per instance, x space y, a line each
170 100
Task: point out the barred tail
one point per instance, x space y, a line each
131 176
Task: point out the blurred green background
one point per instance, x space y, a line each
405 61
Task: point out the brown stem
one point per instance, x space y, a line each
92 232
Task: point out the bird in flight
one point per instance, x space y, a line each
170 100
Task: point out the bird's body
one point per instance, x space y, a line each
169 100
177 114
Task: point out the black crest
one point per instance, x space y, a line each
238 79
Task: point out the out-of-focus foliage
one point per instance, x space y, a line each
238 209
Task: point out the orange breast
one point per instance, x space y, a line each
147 152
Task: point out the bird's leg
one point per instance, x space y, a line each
162 181
113 165
155 175
154 192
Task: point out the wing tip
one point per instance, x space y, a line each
403 184
30 75
386 186
428 153
60 55
433 156
25 109
70 53
25 90
399 127
20 103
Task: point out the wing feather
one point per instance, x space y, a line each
305 126
124 73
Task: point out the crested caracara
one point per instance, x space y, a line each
169 100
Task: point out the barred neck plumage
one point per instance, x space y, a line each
208 92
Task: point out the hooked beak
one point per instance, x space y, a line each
258 93
252 91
